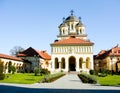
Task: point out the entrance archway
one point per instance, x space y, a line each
72 63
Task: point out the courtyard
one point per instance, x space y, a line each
70 83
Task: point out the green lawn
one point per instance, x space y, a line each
20 78
109 80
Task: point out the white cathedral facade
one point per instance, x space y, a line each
72 51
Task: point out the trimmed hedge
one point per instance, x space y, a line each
86 78
52 77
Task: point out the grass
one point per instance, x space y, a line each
20 78
109 80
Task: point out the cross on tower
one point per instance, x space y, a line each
79 18
71 12
63 19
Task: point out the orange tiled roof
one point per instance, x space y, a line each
32 52
21 55
72 41
45 55
10 57
104 53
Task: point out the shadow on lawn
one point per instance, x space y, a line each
13 89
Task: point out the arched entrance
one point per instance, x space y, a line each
72 63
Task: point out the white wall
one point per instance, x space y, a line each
75 51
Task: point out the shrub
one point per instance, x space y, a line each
13 69
92 72
9 67
52 77
36 71
86 78
2 76
44 71
103 72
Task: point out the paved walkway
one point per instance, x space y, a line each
69 81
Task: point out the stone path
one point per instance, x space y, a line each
69 81
72 81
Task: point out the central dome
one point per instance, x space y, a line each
72 18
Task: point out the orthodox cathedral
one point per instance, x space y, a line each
72 51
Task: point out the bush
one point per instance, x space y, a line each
44 71
103 72
86 78
9 67
2 76
52 77
92 72
13 69
36 71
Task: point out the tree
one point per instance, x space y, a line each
36 71
1 66
2 76
9 67
16 50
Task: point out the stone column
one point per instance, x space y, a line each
52 65
66 65
91 63
59 65
77 64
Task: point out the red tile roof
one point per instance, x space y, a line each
45 55
21 55
10 57
32 52
104 53
72 41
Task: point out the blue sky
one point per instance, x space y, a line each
35 23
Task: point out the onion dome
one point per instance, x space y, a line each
63 25
72 18
80 24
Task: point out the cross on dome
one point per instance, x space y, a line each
79 18
71 12
63 19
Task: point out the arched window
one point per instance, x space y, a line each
60 32
63 31
56 63
80 31
88 62
80 62
72 26
63 63
77 32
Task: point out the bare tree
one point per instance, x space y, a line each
16 50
